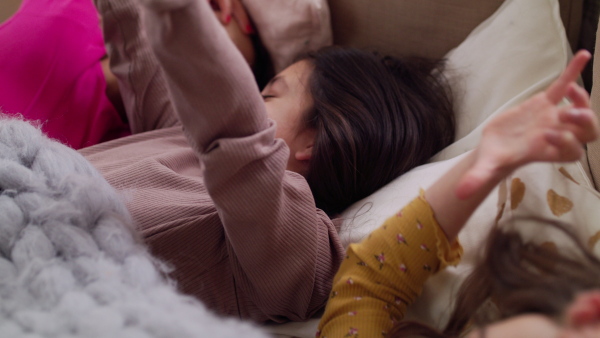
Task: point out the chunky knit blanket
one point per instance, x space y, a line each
70 262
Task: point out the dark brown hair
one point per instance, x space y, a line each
376 118
517 277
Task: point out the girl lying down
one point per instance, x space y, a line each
240 203
384 274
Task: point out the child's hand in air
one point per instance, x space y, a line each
536 130
228 9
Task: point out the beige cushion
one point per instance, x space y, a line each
8 8
427 28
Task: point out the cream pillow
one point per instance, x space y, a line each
515 53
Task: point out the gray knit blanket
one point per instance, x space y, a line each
70 262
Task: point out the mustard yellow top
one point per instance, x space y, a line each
385 273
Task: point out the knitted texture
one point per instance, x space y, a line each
70 264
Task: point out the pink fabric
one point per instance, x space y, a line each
50 71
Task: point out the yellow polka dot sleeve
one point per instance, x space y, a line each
385 273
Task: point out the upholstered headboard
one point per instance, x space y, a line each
425 27
428 28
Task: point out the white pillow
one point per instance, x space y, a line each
515 53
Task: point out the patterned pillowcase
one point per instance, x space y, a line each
552 192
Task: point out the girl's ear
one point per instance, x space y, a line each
304 144
305 153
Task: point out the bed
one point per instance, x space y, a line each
499 53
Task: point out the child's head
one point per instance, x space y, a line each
359 120
521 285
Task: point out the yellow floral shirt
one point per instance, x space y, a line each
385 273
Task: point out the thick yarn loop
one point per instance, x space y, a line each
71 264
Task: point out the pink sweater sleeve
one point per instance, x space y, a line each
284 251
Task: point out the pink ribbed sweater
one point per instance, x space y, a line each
242 233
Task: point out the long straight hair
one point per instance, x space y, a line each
376 117
517 277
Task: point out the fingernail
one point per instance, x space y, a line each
249 29
228 19
575 112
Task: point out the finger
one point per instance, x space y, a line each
564 147
558 89
578 96
225 11
583 123
241 16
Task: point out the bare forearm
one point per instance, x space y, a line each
450 211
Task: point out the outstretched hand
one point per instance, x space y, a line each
536 130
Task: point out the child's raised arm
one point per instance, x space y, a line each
538 130
280 249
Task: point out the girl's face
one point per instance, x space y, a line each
288 100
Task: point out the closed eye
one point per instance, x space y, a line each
267 96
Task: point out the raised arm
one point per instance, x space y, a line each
415 244
283 252
536 130
141 82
